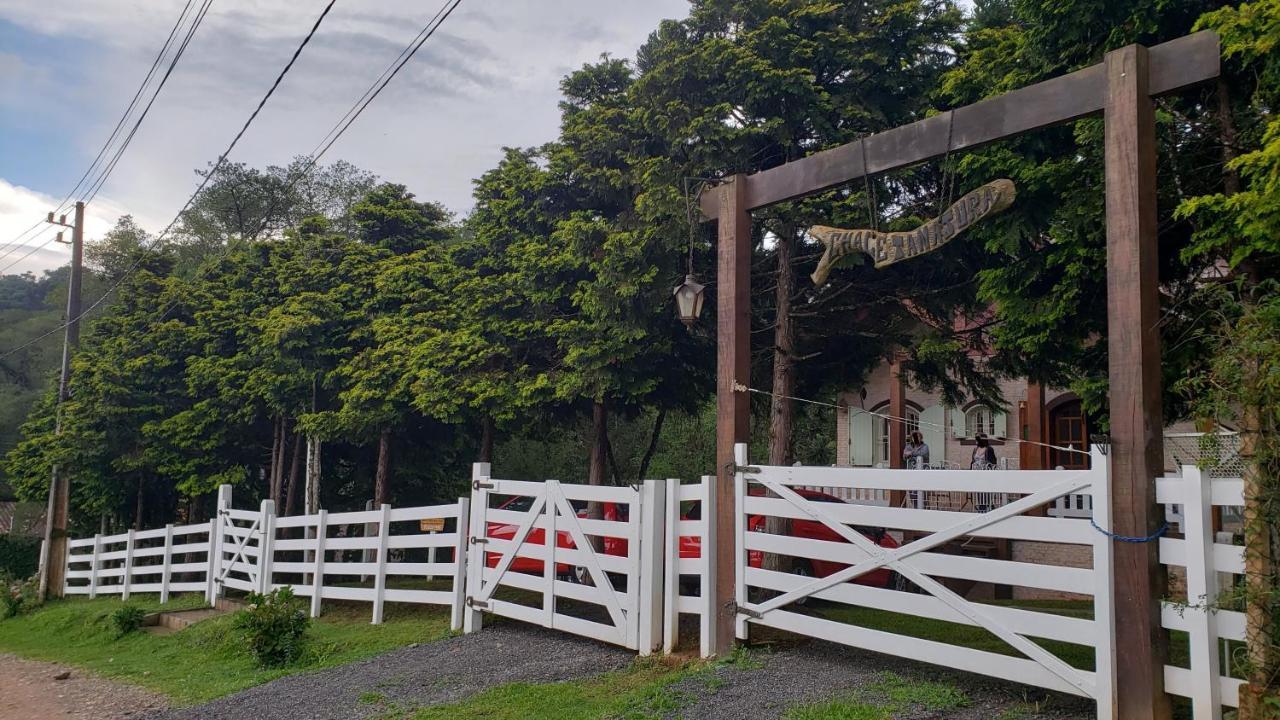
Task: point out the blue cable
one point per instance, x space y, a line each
1125 538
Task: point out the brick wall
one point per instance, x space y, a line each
1044 553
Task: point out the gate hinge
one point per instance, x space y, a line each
735 609
746 469
477 604
477 485
478 541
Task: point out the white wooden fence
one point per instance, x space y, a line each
771 493
690 525
535 538
256 551
1210 569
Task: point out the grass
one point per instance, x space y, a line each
209 659
884 699
643 691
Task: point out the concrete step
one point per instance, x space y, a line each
164 623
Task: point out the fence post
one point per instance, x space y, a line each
1202 593
550 510
707 567
740 539
380 581
460 565
168 563
93 566
472 618
653 504
317 579
266 546
128 564
1104 625
671 570
215 543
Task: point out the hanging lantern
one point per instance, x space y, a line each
689 296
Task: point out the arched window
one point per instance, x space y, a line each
979 419
882 430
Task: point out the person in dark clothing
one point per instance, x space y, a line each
984 456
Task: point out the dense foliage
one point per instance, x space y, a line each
274 626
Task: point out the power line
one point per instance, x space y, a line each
106 173
221 159
133 103
30 252
13 245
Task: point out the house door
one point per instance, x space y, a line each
1068 428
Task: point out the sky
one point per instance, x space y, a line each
488 79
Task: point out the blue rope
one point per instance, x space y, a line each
1125 538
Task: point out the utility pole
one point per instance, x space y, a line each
54 563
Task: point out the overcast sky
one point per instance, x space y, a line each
489 78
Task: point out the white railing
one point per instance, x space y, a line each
172 559
1209 627
689 536
256 551
866 568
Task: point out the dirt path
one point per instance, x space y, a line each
29 691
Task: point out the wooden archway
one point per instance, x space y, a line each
1121 89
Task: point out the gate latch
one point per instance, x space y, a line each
477 604
477 485
478 541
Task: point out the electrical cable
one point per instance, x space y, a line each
221 159
30 252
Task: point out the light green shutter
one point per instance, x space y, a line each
957 422
1000 424
861 437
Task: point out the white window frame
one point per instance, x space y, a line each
979 418
880 442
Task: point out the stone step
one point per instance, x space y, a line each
164 623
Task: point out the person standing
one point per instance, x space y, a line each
984 456
916 452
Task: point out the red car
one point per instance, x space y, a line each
691 545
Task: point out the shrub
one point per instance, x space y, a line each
19 556
275 625
17 594
127 619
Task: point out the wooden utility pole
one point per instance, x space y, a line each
54 563
1133 350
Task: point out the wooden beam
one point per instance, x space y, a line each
733 365
1133 345
1174 65
897 428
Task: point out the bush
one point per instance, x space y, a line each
17 594
275 625
127 619
19 556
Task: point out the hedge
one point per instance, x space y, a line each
19 556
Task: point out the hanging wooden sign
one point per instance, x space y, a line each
887 248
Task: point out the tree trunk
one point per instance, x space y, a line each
653 444
1227 123
598 468
294 491
486 440
1259 563
138 507
272 480
277 497
382 481
782 408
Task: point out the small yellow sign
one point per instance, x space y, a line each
430 525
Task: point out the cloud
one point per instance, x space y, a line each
35 250
489 78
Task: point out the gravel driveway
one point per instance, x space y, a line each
440 672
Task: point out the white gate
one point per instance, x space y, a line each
849 554
601 578
238 546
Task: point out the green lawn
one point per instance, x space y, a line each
209 659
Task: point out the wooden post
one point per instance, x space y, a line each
733 365
1133 343
653 531
380 580
473 617
93 566
1033 457
167 572
127 578
266 546
216 542
460 565
317 574
897 426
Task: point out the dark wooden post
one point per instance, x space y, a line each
1133 344
1033 456
733 365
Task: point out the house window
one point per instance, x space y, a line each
979 419
882 431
